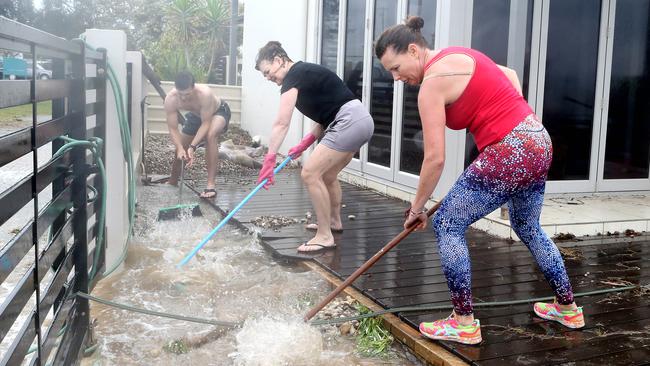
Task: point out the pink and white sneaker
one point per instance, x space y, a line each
450 330
551 311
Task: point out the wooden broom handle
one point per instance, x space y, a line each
396 240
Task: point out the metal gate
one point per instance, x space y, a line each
49 259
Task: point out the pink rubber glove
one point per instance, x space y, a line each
306 142
267 170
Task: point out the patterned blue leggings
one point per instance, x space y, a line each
514 171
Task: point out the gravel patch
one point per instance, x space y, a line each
159 154
340 307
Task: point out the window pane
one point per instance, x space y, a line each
490 29
491 35
411 152
353 65
627 150
569 88
353 68
329 34
529 36
381 102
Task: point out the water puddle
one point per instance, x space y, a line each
231 279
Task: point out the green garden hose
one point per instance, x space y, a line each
95 145
405 309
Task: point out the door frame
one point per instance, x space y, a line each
602 184
377 170
354 164
541 14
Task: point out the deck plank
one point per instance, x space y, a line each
618 326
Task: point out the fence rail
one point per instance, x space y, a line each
60 262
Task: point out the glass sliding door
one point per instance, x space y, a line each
355 18
329 34
502 30
625 163
569 95
584 66
593 93
411 148
381 93
354 42
520 34
490 27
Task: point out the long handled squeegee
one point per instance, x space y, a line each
231 214
175 212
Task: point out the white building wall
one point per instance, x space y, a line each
285 21
117 216
138 93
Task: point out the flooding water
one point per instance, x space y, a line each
231 279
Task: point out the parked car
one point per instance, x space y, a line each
14 68
18 68
41 72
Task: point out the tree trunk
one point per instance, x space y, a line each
187 57
212 43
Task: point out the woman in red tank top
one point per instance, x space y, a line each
462 88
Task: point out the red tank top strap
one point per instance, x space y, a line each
434 59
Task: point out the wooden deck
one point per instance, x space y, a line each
618 325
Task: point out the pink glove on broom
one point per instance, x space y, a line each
267 170
306 142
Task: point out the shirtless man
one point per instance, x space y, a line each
207 117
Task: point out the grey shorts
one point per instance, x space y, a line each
352 127
193 121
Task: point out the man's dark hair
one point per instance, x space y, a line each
184 80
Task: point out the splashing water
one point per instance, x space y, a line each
231 279
268 341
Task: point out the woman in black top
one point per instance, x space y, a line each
342 123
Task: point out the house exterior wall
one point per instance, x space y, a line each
284 21
571 95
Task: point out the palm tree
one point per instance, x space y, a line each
215 16
182 14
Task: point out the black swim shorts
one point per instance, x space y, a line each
193 121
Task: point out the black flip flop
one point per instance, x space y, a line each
321 248
208 190
314 229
